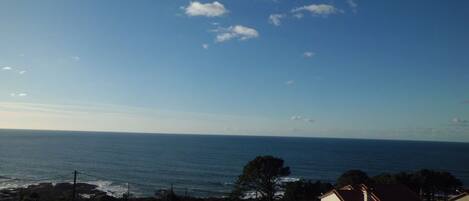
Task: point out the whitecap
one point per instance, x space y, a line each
110 188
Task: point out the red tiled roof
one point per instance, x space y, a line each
385 192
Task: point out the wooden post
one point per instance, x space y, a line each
74 184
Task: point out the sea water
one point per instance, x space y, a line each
204 165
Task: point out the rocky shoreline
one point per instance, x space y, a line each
50 191
84 192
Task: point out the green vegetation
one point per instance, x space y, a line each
305 190
426 183
353 177
261 176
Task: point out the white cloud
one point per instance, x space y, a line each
275 19
353 5
300 118
205 46
296 117
18 94
237 31
318 9
214 9
298 15
290 82
22 72
459 121
76 58
309 54
7 68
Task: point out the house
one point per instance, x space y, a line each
384 192
461 197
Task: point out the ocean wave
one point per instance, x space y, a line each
288 179
110 188
228 183
15 183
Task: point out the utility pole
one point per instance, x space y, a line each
74 184
128 190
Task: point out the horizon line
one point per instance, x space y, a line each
232 135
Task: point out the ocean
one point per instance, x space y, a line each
204 165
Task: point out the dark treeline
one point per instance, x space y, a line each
262 174
261 180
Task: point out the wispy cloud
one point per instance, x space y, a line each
275 19
317 10
301 118
214 9
129 119
296 117
308 120
76 58
298 15
353 5
290 82
235 32
459 121
205 46
7 68
22 72
18 94
308 54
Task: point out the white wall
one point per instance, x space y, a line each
331 197
465 198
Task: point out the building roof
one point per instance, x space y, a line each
385 192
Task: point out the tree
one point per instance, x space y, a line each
432 182
384 178
353 177
426 183
447 183
305 190
261 176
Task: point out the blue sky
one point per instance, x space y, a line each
339 68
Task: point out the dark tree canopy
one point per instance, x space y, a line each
432 182
427 183
305 190
353 177
261 175
385 178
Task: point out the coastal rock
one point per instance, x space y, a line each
50 192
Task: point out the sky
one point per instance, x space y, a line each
316 68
